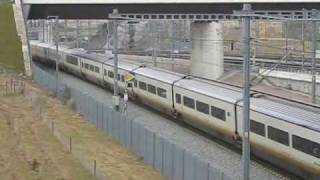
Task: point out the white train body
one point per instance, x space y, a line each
282 133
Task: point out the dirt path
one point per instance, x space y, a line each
28 149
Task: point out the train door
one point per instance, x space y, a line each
130 81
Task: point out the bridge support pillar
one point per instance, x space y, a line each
22 29
207 50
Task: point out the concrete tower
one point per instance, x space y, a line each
207 50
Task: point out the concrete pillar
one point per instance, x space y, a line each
49 32
207 50
22 30
132 31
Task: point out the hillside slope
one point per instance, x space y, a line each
10 45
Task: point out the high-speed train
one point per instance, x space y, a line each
282 132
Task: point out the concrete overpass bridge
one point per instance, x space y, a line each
100 9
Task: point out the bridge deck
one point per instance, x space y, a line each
99 9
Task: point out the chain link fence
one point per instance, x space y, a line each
11 87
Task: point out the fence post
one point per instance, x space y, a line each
94 168
52 127
70 144
154 150
183 161
6 87
40 113
102 117
10 84
131 139
208 166
96 117
14 86
22 87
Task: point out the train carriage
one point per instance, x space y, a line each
194 100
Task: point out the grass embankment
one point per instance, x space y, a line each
10 44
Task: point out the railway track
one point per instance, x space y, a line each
287 65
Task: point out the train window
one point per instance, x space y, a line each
105 72
91 68
75 61
118 77
72 60
96 69
278 135
152 89
162 92
218 113
82 64
142 85
189 102
306 146
135 83
202 107
46 52
178 98
52 54
122 78
257 128
86 66
110 74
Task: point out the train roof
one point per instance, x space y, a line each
93 56
286 112
123 65
154 73
51 46
217 92
107 60
161 75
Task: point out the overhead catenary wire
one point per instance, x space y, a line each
268 71
234 41
253 41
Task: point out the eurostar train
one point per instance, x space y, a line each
284 133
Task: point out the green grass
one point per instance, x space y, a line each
10 45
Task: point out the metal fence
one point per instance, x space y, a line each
12 86
168 158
